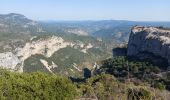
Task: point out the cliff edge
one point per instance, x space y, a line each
151 43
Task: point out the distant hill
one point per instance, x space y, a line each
17 23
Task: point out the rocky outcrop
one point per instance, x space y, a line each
150 43
9 61
46 47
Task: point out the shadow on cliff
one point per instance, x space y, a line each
159 61
119 51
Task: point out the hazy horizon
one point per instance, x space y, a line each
79 10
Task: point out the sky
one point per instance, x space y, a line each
134 10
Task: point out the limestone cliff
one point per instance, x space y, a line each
150 43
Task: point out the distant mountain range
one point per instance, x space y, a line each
106 29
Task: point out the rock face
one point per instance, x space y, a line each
150 43
9 61
45 47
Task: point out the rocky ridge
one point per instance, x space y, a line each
17 23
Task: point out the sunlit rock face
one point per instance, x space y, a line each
9 61
149 43
45 47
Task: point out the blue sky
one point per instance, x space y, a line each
137 10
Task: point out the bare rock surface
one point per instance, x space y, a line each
9 61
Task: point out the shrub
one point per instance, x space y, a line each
159 86
35 86
139 94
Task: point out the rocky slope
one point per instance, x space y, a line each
9 60
46 46
151 43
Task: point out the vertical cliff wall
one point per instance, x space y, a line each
152 43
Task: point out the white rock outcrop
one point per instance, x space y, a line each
45 47
9 61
